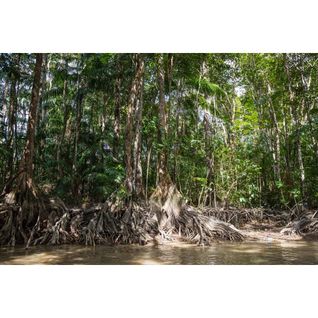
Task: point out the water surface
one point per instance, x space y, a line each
293 252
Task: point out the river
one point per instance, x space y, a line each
257 253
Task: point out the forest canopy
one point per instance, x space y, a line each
229 129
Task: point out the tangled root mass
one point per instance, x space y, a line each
114 222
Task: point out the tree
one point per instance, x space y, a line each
132 154
20 189
185 130
117 106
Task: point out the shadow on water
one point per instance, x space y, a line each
257 253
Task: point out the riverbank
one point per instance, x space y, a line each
264 243
265 224
114 223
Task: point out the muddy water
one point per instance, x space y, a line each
294 252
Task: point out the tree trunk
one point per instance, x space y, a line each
26 163
12 113
137 181
163 174
299 152
65 120
210 199
167 202
129 141
276 157
166 199
277 147
76 177
149 151
41 114
41 109
117 108
297 113
3 130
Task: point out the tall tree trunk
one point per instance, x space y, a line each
166 199
66 113
299 152
27 207
66 118
129 140
276 157
3 132
12 113
277 147
41 113
169 80
76 177
287 147
149 152
138 184
163 174
41 109
177 133
314 137
27 161
297 113
118 83
211 191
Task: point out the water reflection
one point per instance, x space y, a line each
294 252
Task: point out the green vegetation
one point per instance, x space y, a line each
211 129
242 128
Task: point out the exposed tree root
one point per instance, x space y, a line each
166 201
25 214
203 229
29 217
306 224
175 217
116 223
235 216
112 223
242 216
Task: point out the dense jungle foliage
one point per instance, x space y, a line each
239 129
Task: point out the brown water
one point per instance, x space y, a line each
293 252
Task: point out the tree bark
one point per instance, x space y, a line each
79 102
276 154
3 131
299 152
26 163
12 113
118 83
129 141
163 174
65 119
166 199
138 184
210 199
297 113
